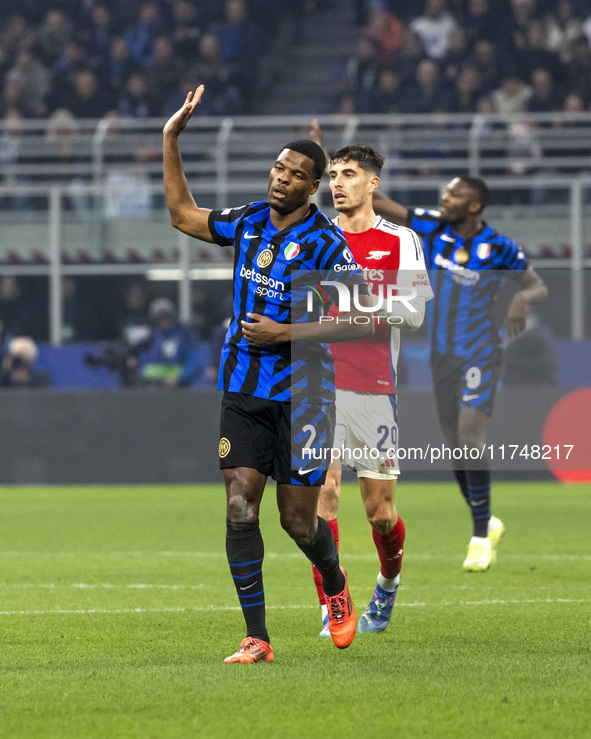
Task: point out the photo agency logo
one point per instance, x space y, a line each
384 298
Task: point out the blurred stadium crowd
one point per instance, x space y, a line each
465 56
100 57
138 58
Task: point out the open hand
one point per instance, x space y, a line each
177 122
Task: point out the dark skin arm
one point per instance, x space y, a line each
185 215
390 210
264 331
534 291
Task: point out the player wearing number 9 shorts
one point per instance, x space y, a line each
467 260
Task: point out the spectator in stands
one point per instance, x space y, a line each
135 101
457 55
54 33
429 94
467 90
238 35
67 66
32 79
172 359
535 55
512 96
61 132
99 32
360 74
141 34
573 104
14 101
545 98
385 98
578 72
219 77
119 65
88 99
411 54
562 27
434 27
239 43
164 73
523 14
481 22
17 34
17 369
386 30
490 65
186 30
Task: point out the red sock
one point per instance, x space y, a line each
334 527
390 549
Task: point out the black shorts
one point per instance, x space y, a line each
464 382
290 441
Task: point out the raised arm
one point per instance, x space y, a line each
390 210
185 215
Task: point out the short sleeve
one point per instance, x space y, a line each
412 271
512 257
424 221
223 224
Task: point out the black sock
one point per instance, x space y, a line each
245 551
478 483
461 478
322 552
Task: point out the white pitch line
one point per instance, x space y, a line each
100 586
197 609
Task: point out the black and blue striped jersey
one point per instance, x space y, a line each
466 275
275 273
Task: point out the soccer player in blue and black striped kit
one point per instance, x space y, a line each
276 370
467 258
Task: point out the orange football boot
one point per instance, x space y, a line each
252 650
342 622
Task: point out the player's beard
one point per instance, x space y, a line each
284 209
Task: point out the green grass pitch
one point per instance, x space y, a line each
117 610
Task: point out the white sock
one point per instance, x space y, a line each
389 584
324 609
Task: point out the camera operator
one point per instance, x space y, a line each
171 359
17 366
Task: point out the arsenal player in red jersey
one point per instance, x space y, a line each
366 433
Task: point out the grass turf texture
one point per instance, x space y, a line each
117 611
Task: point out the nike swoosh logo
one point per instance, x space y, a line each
306 472
250 236
247 587
467 398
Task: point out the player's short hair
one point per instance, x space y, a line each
310 149
367 158
479 187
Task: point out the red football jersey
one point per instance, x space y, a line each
389 255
